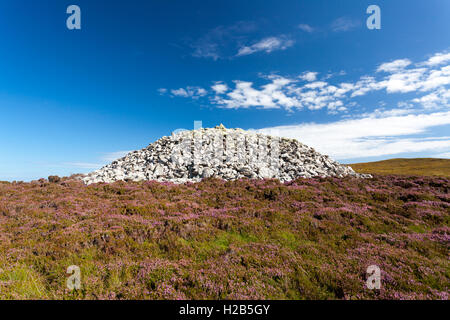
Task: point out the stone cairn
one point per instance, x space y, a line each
223 153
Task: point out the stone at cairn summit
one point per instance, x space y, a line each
223 153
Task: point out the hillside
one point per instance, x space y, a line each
243 239
420 166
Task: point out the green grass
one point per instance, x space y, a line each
24 283
419 166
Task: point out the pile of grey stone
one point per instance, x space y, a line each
223 153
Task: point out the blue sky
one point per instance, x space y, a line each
73 100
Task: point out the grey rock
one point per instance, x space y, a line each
189 156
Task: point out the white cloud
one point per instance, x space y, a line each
415 79
363 86
162 91
315 85
435 99
394 65
429 84
191 92
220 88
404 81
179 92
207 50
389 113
267 45
370 136
344 24
216 43
244 96
305 27
285 93
438 58
437 78
309 76
201 92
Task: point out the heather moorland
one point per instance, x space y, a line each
245 239
417 166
